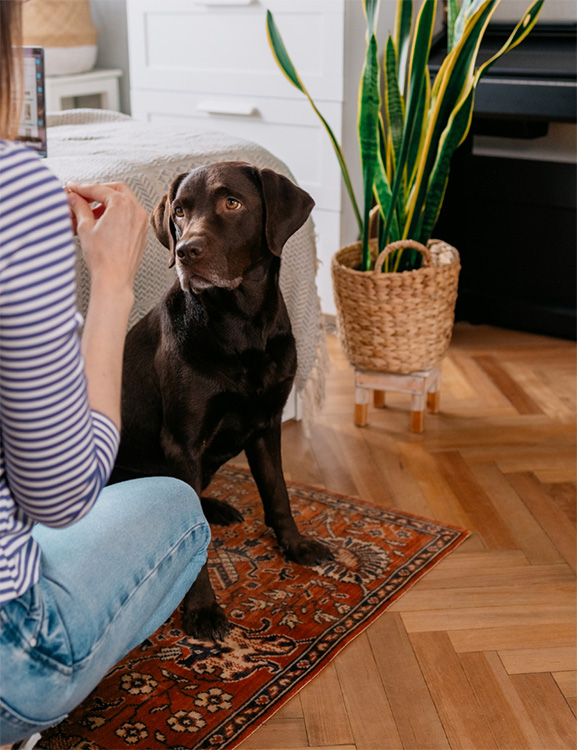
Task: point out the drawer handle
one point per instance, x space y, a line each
245 109
216 3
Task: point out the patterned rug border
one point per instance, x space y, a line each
337 647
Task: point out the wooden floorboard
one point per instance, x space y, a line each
480 653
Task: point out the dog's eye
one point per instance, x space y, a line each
178 212
232 203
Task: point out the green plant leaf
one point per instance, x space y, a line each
368 127
521 30
453 135
452 15
406 165
402 38
394 105
460 62
420 49
452 80
459 125
421 118
418 72
286 65
371 8
382 185
468 9
382 190
280 52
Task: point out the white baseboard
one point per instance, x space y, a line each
293 408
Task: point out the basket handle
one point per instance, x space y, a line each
400 244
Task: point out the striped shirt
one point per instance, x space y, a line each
56 454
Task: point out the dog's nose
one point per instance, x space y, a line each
191 247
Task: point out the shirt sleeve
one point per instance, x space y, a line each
58 452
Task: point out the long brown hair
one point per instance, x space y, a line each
10 66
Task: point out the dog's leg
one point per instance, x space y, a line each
187 465
220 512
203 617
265 461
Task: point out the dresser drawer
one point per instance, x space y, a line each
288 129
221 46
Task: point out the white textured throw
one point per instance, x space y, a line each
100 146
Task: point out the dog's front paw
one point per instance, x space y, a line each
220 513
307 551
206 624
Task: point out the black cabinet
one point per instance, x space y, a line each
514 220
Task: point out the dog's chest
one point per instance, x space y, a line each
229 378
249 391
255 381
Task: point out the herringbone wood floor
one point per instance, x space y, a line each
481 653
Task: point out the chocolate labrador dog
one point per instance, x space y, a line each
208 371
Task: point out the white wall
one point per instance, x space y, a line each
110 19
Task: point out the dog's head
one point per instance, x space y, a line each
220 220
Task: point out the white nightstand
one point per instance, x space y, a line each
102 83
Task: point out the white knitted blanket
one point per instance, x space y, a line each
101 146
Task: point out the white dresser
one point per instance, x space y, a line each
207 64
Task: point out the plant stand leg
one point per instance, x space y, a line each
379 399
433 402
434 390
418 411
361 407
418 421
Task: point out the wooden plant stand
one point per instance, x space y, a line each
423 386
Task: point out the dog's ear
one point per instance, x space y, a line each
163 226
287 208
162 223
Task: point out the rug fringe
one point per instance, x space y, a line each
314 393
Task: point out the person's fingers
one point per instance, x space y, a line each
81 211
99 192
120 187
73 220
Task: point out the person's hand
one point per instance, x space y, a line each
112 231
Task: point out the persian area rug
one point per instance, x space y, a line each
287 621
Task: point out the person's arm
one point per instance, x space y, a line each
58 451
112 237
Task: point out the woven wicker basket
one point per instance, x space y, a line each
65 29
396 322
58 23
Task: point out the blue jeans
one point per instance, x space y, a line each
107 583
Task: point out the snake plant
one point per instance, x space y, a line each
408 125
